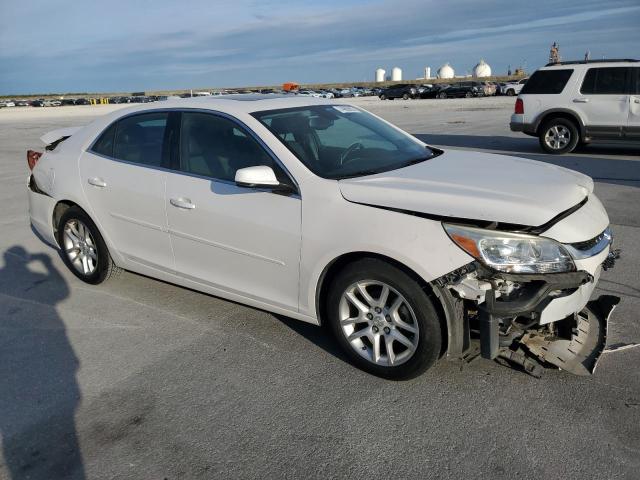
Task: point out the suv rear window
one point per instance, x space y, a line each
547 82
605 81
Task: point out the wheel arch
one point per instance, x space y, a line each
440 297
560 113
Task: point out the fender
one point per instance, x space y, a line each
573 114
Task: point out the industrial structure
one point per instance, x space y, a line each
482 69
446 71
396 74
380 73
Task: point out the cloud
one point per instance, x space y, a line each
164 45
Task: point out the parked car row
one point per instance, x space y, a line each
466 89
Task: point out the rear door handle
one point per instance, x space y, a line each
636 100
97 182
580 100
182 203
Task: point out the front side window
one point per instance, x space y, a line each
139 138
216 147
551 82
341 141
605 81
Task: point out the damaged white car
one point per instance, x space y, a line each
323 212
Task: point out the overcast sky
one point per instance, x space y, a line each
135 45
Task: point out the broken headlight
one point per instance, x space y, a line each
512 252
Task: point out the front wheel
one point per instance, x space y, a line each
405 96
442 95
83 249
468 95
558 136
383 97
383 320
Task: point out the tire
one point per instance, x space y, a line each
383 97
405 96
558 136
79 237
415 312
468 95
511 92
442 95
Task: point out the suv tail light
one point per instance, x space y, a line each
519 107
32 158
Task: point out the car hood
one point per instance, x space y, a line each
475 186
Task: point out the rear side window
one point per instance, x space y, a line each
605 81
547 82
104 144
139 138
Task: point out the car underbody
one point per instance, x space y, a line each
494 315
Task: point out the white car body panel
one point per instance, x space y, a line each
504 188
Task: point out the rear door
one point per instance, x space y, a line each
633 126
124 182
241 240
603 101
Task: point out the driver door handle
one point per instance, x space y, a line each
636 100
183 203
97 182
580 100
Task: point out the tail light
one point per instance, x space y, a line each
32 158
519 107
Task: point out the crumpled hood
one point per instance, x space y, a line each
476 186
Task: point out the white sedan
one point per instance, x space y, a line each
323 212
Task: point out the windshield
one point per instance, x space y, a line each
341 141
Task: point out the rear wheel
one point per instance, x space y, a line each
405 96
383 320
383 97
442 95
468 95
558 136
83 249
511 92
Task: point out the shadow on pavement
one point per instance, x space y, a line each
586 159
39 393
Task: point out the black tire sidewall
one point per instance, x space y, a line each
573 129
104 259
430 329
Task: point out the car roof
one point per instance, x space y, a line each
626 62
231 104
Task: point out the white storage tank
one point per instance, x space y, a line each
380 72
427 73
482 69
396 74
445 71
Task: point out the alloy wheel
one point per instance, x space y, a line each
557 137
80 247
379 323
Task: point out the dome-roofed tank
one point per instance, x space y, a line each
396 74
380 74
445 71
482 69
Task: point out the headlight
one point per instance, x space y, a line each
512 252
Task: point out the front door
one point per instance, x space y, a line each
124 185
240 240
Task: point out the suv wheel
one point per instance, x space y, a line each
383 320
442 95
558 136
83 249
468 95
511 92
383 97
405 96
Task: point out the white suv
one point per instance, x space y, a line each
323 212
567 103
513 88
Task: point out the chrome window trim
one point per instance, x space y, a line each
229 117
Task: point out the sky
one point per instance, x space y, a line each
139 45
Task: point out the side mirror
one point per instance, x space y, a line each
260 176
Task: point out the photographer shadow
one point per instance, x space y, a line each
39 393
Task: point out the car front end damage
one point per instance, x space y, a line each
527 299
